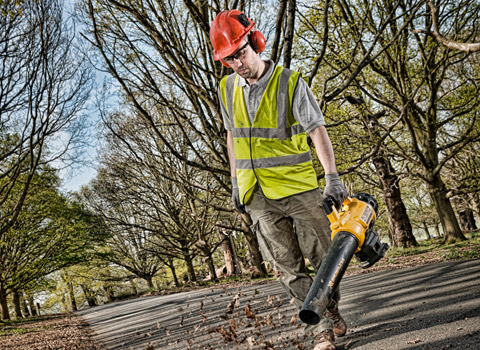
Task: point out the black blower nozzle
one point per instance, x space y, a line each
352 234
328 277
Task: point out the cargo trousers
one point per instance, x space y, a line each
288 231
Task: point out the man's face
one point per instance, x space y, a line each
244 61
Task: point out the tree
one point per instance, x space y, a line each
44 82
50 233
374 50
129 243
146 194
160 56
464 183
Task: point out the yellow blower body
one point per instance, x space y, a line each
352 235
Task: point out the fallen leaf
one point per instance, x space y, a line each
293 320
415 341
248 312
251 341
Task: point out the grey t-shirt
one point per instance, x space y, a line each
305 108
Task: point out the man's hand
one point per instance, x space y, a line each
236 197
335 189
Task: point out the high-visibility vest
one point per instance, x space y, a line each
273 151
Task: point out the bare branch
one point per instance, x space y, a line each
451 44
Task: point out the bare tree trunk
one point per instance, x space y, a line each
16 305
451 228
171 266
437 231
31 303
467 220
190 270
211 267
476 205
71 294
63 300
402 235
149 280
236 262
229 253
397 213
278 30
3 304
88 295
287 51
427 233
108 293
134 287
253 247
26 310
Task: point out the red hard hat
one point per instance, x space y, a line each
227 32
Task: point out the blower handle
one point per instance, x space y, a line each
328 204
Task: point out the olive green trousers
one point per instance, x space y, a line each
288 231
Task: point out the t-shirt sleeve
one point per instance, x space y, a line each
227 121
305 107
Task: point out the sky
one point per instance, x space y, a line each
74 179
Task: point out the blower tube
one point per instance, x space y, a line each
328 277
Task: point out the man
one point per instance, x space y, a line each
268 111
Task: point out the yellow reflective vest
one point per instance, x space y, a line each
273 151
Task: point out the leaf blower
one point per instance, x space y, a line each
352 234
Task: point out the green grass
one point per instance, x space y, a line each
469 249
437 244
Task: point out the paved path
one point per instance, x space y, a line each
427 307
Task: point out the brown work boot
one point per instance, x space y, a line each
325 340
339 325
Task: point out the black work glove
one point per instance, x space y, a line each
335 189
236 197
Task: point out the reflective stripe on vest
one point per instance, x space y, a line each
272 152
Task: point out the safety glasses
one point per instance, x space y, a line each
239 55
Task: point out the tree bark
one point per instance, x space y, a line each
26 310
3 304
425 228
282 6
229 254
88 295
397 213
467 220
287 52
71 294
451 228
134 287
171 266
437 231
211 267
108 293
149 280
16 305
402 234
253 247
31 303
190 270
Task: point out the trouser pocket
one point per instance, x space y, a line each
265 249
